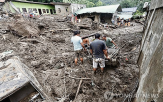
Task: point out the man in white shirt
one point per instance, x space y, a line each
78 46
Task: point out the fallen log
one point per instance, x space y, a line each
78 88
60 30
31 40
79 78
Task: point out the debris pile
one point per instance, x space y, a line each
23 28
50 57
85 23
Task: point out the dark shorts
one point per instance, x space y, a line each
79 53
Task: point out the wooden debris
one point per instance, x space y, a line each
31 40
78 88
79 78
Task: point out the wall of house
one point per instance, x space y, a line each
151 57
76 7
29 7
95 17
103 18
63 9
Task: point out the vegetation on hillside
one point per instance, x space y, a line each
94 3
134 3
89 3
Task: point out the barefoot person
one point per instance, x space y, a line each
98 49
78 46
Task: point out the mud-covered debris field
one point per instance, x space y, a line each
44 45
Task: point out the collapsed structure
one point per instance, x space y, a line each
101 14
39 8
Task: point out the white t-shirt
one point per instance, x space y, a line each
76 40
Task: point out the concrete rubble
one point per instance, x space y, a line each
44 45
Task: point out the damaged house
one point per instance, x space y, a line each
28 6
39 8
101 14
67 8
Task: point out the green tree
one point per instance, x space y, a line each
46 1
99 3
90 4
57 0
93 1
126 4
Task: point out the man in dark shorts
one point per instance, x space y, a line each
78 46
98 49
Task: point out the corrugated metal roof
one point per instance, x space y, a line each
31 2
133 9
125 16
100 9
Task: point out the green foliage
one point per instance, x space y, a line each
57 0
90 4
46 1
75 1
141 3
99 3
94 1
126 4
111 2
138 13
134 3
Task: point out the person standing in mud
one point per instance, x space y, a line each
98 49
78 46
118 21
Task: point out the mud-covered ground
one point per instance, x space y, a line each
51 58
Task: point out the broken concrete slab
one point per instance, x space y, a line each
14 75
